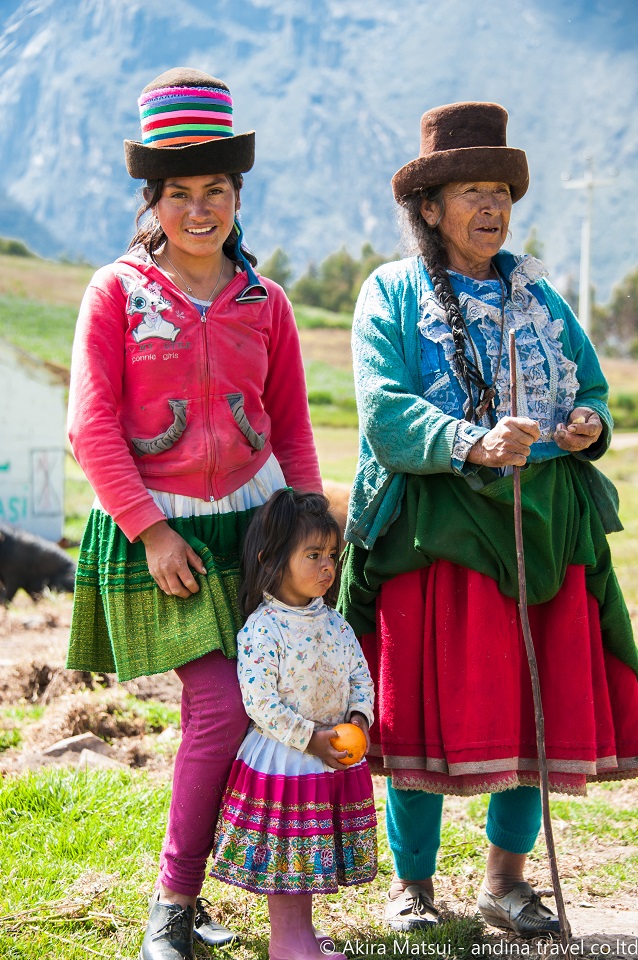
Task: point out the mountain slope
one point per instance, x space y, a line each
335 92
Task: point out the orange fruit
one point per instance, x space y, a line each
350 737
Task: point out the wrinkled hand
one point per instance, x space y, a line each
583 429
321 747
170 559
360 720
508 444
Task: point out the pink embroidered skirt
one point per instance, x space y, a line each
454 698
290 824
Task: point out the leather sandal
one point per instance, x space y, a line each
206 930
412 910
521 910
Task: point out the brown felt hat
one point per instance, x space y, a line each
463 141
187 129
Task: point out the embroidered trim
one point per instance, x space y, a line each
508 764
236 404
403 782
464 440
164 441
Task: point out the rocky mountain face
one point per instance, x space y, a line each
335 90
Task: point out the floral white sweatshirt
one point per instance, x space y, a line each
301 668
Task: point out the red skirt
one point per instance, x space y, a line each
454 699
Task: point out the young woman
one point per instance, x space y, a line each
188 409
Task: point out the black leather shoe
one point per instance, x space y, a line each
206 930
169 933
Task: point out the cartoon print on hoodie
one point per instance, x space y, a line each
150 303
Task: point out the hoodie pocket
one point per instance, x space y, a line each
164 441
236 404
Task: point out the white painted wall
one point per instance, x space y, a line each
32 437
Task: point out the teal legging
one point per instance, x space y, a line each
413 820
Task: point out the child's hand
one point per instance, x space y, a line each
321 747
360 720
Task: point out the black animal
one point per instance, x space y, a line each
32 563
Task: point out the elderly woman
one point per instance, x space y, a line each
430 577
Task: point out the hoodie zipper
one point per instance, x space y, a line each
210 439
208 432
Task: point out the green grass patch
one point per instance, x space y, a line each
331 396
623 406
13 720
22 713
11 737
324 379
621 466
312 318
78 860
337 451
79 856
337 415
42 329
47 281
585 820
601 823
158 716
78 499
77 853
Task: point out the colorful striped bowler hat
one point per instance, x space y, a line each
187 129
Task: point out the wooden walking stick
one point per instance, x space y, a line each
565 929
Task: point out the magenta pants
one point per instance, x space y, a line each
214 723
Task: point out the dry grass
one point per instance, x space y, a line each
44 280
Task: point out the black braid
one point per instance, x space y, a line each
467 367
427 241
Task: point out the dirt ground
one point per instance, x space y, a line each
33 639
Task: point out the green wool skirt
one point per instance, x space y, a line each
123 623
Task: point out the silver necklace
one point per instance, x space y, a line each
189 289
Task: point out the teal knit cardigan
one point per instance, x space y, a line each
399 431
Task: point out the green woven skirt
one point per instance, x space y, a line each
123 623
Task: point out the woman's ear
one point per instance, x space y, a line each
259 556
430 212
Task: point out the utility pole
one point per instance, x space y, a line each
584 288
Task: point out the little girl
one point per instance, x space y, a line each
294 819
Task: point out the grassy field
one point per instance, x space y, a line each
79 856
79 851
621 466
39 300
80 888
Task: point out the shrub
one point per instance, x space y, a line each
14 248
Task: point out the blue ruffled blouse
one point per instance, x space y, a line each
546 379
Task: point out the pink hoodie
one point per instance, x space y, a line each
161 399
